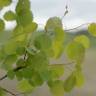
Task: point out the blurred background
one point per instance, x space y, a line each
80 12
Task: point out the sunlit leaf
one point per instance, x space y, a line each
24 14
52 23
10 47
4 3
92 29
84 40
36 79
79 78
43 42
18 33
38 61
75 51
24 86
58 41
70 83
30 27
9 16
57 88
56 71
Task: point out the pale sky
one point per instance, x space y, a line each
80 11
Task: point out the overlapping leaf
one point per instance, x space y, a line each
57 88
9 16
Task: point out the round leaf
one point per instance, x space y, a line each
92 29
24 86
69 83
56 87
84 40
52 23
9 16
75 51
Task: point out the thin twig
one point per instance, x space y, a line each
65 13
8 91
77 27
69 63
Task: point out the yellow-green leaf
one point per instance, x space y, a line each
58 42
56 71
24 86
69 83
57 88
30 27
92 29
79 78
75 51
9 16
4 3
84 40
2 25
52 23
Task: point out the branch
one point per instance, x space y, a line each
69 63
78 26
11 93
2 78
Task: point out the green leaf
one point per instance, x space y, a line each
43 42
19 75
70 83
11 74
22 5
84 40
75 51
58 41
27 73
18 33
39 61
2 54
56 71
9 16
24 14
36 79
20 50
30 27
92 29
56 87
10 47
2 93
9 61
4 3
52 23
79 78
2 25
24 86
20 62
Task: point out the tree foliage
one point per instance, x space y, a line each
26 54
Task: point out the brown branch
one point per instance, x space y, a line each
5 76
7 91
16 69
